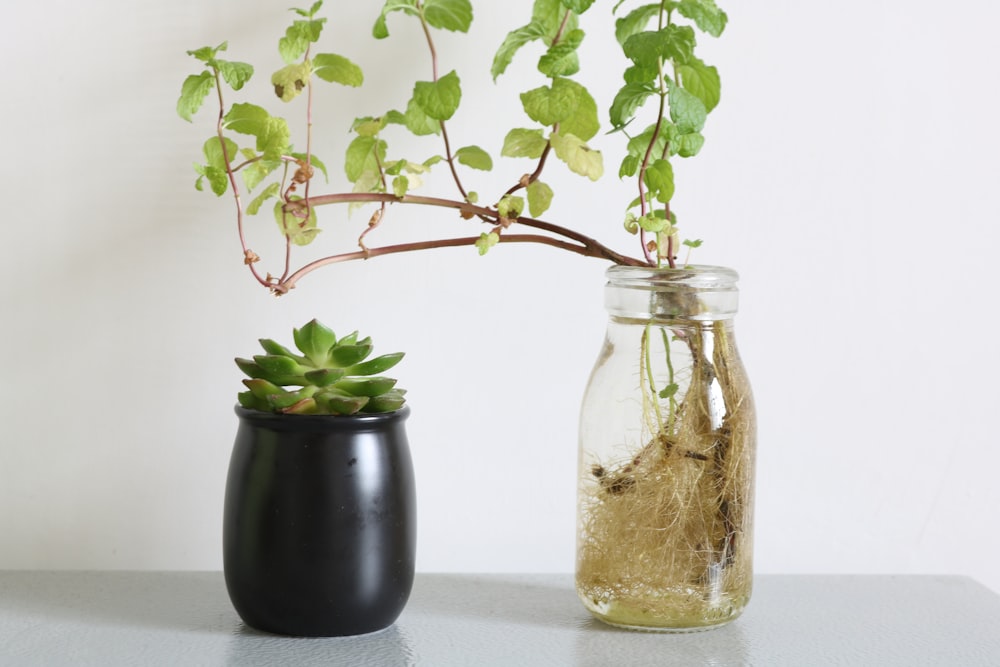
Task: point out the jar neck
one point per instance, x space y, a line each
694 293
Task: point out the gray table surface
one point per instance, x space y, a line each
184 618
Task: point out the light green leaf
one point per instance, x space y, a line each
369 127
659 178
291 80
256 172
561 58
705 14
234 73
337 69
270 191
475 157
549 105
577 6
635 22
583 122
579 157
687 145
214 154
273 135
364 154
380 30
418 122
218 179
627 101
453 15
521 142
514 40
439 99
539 198
702 81
193 93
686 111
206 54
487 241
298 37
672 43
292 223
510 207
400 185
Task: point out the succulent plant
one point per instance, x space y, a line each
330 377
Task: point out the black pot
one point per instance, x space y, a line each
319 527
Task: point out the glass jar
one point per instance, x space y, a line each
667 449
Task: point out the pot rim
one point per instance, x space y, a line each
360 419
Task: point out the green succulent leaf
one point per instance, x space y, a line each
474 157
345 356
375 366
453 15
275 348
275 365
341 404
193 93
439 99
366 386
261 388
315 340
338 69
324 377
388 402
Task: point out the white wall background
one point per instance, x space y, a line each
850 175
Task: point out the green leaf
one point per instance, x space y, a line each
539 198
364 154
292 222
270 191
659 178
487 241
627 101
630 165
453 15
206 54
234 73
291 80
380 30
669 391
510 207
272 134
686 111
341 405
193 93
512 43
635 22
400 185
418 122
474 157
521 142
549 105
377 365
561 58
337 69
367 386
216 156
275 365
439 99
579 157
577 6
314 340
583 121
687 145
705 14
387 402
672 43
298 37
693 244
702 81
263 389
324 377
276 348
345 356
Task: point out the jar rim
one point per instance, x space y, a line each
697 275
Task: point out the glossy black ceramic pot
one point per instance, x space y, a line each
319 527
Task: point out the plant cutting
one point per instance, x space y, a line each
319 524
665 490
